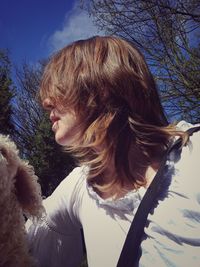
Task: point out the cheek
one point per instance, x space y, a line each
67 134
68 120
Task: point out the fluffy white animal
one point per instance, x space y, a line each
20 194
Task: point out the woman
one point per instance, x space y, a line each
105 109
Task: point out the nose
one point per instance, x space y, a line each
48 104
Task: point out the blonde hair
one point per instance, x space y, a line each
106 81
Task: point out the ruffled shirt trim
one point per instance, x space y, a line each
128 202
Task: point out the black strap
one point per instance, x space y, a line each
130 251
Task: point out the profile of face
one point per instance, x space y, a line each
65 125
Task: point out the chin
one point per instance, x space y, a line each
63 141
60 141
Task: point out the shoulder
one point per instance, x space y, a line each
194 139
185 162
75 178
184 126
187 167
64 199
69 186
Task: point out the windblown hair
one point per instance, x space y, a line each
106 81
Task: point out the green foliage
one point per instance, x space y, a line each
6 95
51 163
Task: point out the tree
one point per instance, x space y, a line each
33 133
50 162
6 94
167 32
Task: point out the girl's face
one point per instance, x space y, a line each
65 125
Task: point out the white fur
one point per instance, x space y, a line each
20 194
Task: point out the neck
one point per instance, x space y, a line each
145 174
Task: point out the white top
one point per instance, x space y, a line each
172 236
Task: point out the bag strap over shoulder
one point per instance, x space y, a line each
130 251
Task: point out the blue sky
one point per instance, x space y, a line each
33 29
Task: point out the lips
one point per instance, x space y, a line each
55 126
54 119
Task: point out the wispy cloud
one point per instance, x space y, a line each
77 25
